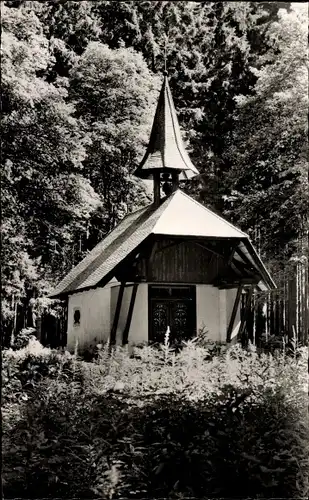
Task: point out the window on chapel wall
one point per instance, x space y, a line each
76 317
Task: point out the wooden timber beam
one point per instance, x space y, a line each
244 258
126 271
243 268
257 262
240 264
169 245
221 283
222 256
156 189
245 314
117 314
64 339
232 254
228 287
234 312
126 330
175 181
119 266
149 261
179 242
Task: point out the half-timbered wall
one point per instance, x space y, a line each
97 308
230 300
138 332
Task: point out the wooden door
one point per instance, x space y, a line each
172 307
160 319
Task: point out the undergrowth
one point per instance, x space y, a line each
154 423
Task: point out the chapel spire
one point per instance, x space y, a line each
166 157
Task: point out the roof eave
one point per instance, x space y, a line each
267 279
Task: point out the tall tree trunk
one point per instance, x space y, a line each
306 300
292 302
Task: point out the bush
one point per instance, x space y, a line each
23 338
157 424
22 369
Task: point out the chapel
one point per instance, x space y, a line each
173 264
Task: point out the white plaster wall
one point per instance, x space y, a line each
207 310
94 325
139 324
223 319
214 309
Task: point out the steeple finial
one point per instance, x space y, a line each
165 56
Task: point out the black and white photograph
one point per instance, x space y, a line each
154 250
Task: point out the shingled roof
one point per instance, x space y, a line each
178 215
166 152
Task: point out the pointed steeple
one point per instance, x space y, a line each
166 153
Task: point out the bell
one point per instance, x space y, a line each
167 188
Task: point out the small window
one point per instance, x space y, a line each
76 317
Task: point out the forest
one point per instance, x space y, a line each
79 86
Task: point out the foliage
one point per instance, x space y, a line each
45 200
268 148
145 426
29 361
113 91
23 338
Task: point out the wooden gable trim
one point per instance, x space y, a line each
234 312
126 330
259 265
